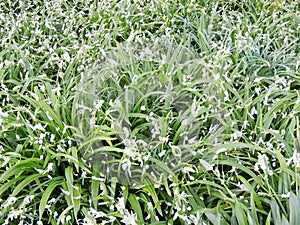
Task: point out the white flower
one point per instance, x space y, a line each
126 132
163 139
98 178
226 98
287 195
26 201
257 79
57 90
245 124
65 192
257 90
195 109
253 111
42 87
129 219
40 171
262 164
281 80
243 187
10 201
87 221
96 214
68 218
229 113
188 170
217 76
126 164
120 205
66 56
162 153
14 213
3 114
236 135
52 200
295 159
195 219
98 104
49 167
130 152
52 137
39 127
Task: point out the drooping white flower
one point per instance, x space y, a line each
295 159
120 205
263 164
143 108
237 134
162 153
287 195
188 170
98 104
126 164
10 201
129 219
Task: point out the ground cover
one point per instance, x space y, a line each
149 112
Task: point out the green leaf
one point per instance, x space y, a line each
240 214
69 178
46 194
62 215
268 221
252 191
150 189
294 208
136 206
95 186
10 184
25 183
20 168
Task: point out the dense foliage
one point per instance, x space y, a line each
203 94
